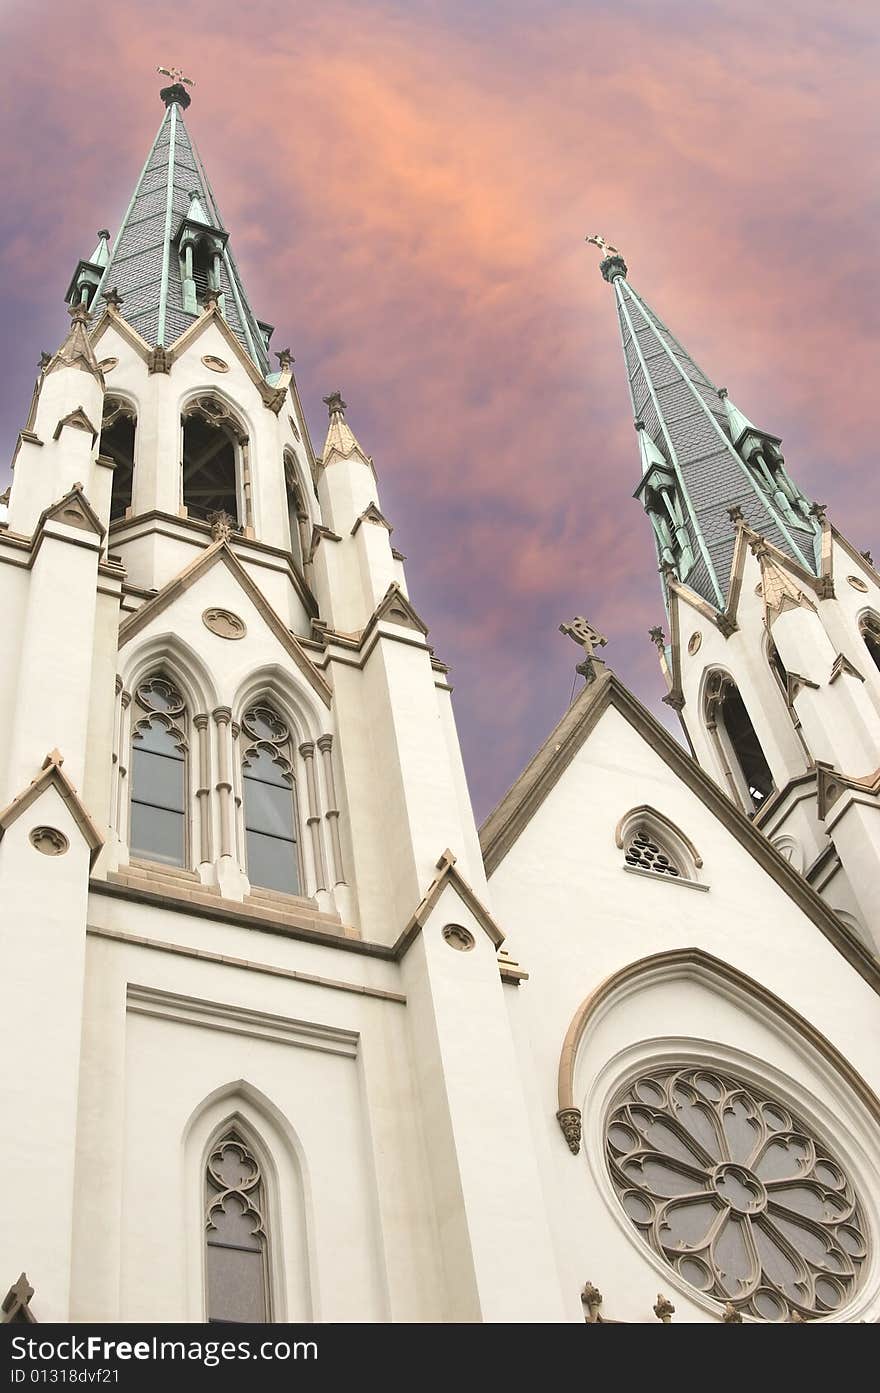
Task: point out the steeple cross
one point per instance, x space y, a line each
583 633
604 246
176 75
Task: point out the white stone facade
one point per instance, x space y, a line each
395 1073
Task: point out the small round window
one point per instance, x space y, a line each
736 1194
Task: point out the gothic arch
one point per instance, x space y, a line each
119 442
683 852
869 629
170 651
300 514
294 700
640 1025
241 1106
746 772
215 461
695 963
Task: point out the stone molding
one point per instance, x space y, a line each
52 775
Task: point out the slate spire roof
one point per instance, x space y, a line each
144 262
696 430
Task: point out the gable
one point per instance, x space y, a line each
609 755
217 610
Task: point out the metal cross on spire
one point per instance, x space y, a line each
176 75
604 246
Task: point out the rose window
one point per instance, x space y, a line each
736 1194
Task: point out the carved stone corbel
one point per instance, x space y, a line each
569 1120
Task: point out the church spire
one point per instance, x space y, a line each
172 249
700 455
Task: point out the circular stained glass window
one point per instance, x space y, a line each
736 1194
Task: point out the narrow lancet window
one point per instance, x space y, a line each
158 774
269 802
235 1234
738 745
211 445
117 443
869 627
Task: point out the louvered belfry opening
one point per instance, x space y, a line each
202 271
209 467
117 443
746 746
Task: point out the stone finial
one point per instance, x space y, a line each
16 1302
657 636
664 1309
868 557
53 757
45 360
581 631
222 525
211 300
592 1299
113 298
735 513
818 511
285 358
334 404
730 1315
569 1120
79 313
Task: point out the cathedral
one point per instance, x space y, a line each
288 1037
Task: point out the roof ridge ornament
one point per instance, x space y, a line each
612 264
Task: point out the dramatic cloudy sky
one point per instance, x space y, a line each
408 184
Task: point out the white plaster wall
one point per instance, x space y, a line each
573 916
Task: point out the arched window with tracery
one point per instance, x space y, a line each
236 1237
213 447
869 628
159 773
298 518
118 428
652 844
742 758
270 820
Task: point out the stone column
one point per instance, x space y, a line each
122 800
223 718
203 792
325 744
307 750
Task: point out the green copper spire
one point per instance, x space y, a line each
700 455
172 249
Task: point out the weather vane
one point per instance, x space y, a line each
604 246
176 75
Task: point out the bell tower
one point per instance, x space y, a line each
773 653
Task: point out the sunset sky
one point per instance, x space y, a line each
407 188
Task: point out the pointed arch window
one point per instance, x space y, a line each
869 628
737 744
651 843
213 442
236 1238
118 429
159 774
270 802
298 518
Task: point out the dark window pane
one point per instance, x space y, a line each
157 834
268 808
271 862
236 1285
157 780
260 765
